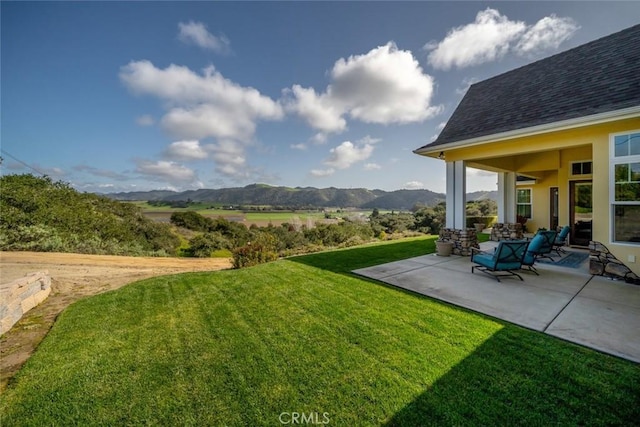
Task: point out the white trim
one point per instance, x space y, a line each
594 119
613 161
524 204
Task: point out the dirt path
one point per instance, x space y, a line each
75 276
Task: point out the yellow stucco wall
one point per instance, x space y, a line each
547 157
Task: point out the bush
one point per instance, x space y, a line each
334 235
204 245
261 250
191 220
486 220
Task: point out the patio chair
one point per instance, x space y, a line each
561 240
531 254
503 261
544 251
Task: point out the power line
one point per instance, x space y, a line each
21 162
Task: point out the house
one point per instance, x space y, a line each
563 135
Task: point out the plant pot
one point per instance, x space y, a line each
479 227
444 248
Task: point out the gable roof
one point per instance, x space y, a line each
598 77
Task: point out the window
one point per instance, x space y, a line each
625 187
581 168
523 202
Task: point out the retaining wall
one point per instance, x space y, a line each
20 296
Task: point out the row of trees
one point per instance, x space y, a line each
258 244
253 245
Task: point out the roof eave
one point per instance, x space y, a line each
594 119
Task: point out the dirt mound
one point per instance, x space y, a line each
75 276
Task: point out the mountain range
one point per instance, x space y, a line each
301 197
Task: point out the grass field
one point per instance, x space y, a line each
303 335
260 218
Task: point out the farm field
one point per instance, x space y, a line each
259 218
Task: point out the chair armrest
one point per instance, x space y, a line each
476 251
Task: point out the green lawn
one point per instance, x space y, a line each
249 347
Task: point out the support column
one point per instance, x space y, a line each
456 195
506 197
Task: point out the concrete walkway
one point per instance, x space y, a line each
564 302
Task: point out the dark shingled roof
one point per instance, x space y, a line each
597 77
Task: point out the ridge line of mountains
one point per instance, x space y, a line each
301 197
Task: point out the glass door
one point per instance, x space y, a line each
581 211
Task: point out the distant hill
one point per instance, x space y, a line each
141 195
300 197
482 195
405 199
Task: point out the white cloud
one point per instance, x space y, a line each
196 33
492 35
368 140
301 146
320 111
547 34
322 172
346 154
230 159
165 171
319 138
413 185
204 106
145 120
471 172
186 150
484 40
466 84
439 128
200 99
384 86
372 167
101 172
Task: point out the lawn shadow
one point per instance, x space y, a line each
520 377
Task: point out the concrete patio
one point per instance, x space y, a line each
568 303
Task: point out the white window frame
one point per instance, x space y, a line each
613 161
530 200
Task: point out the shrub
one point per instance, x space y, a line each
486 220
204 245
191 220
261 250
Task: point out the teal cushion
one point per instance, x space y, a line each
534 247
485 260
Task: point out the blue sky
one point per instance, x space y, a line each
130 96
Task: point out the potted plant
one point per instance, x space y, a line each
444 247
522 220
